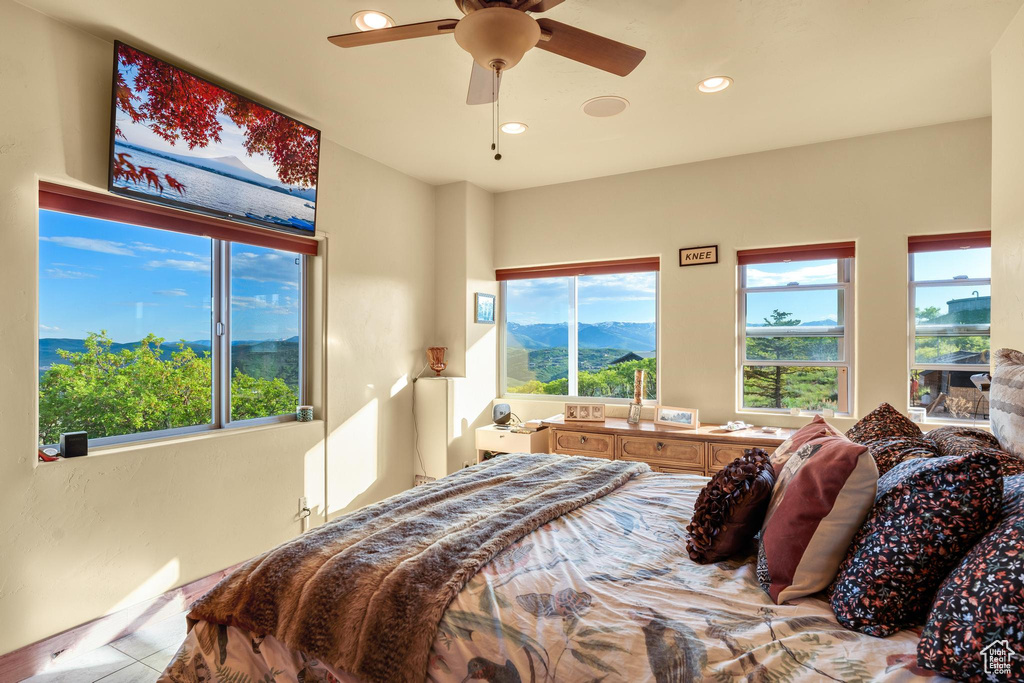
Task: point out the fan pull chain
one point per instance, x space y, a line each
497 107
494 99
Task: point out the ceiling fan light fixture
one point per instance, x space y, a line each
371 20
514 128
714 84
497 35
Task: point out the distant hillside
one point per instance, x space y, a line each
608 335
264 359
553 363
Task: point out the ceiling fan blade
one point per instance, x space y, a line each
539 5
482 86
589 48
387 35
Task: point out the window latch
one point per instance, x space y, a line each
220 329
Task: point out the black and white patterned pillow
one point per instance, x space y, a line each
928 513
981 602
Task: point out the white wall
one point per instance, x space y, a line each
1007 184
875 190
88 536
465 266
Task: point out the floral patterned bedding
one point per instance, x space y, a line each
604 593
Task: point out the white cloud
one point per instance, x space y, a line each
48 328
58 274
91 244
171 292
179 264
274 304
806 275
276 267
142 246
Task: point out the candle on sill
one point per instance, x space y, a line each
794 411
828 412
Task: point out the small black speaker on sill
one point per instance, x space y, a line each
74 444
501 414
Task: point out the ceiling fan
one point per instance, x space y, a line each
499 32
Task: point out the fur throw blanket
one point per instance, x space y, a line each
367 591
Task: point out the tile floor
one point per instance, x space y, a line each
139 657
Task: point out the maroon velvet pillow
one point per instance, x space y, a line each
730 509
884 422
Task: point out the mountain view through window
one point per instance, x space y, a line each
581 336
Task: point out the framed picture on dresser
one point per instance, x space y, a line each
684 418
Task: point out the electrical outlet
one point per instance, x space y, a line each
465 464
420 480
302 505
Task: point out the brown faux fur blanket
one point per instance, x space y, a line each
367 591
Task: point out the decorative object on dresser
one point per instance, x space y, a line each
501 414
940 507
730 510
304 413
635 408
821 498
1006 409
980 605
484 306
666 449
584 412
684 418
435 359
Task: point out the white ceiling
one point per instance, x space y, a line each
805 71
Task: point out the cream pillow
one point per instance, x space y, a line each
1006 401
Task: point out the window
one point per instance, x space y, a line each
796 311
950 322
145 332
580 330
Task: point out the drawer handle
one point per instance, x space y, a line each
583 439
660 446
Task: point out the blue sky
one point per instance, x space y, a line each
97 275
231 144
629 297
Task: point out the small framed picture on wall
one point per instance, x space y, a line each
485 308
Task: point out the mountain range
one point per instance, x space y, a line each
607 335
233 167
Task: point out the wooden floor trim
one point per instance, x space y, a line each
43 655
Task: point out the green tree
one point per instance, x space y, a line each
925 314
137 389
763 386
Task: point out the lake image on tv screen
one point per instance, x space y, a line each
182 140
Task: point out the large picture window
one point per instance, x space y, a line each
580 330
951 315
146 332
796 310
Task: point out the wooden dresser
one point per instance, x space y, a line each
665 449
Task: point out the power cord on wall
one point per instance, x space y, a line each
415 429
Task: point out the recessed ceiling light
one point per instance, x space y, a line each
604 106
714 84
514 128
371 20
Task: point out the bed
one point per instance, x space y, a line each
603 593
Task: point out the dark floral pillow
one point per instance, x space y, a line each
962 440
730 509
884 422
928 513
980 606
891 452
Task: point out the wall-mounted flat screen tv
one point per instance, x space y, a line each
179 140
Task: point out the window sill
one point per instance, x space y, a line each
574 399
144 444
785 413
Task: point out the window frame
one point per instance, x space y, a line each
950 331
845 368
573 370
114 210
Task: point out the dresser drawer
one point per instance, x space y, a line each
721 454
668 452
584 443
675 470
